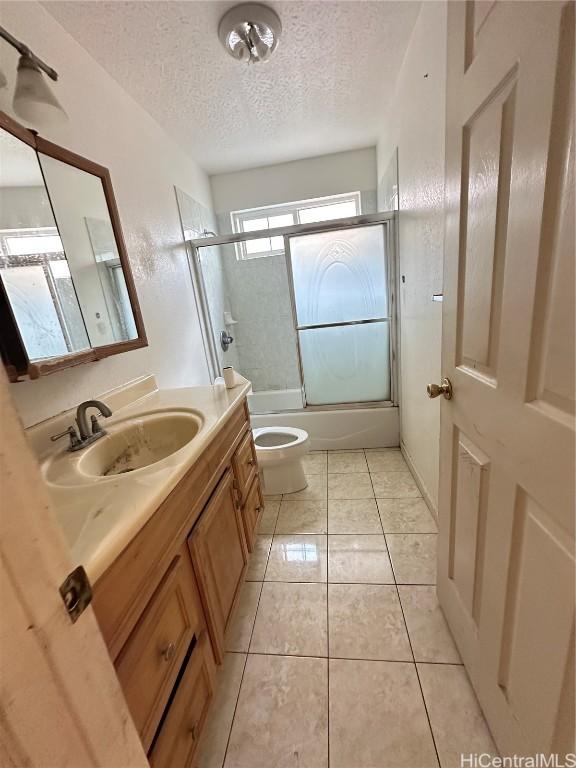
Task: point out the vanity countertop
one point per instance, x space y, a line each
100 516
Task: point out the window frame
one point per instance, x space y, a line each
15 233
238 218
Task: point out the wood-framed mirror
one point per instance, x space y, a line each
67 295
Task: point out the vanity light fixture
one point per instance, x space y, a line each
33 99
250 32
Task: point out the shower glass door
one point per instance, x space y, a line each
342 314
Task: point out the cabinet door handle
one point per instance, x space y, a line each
168 652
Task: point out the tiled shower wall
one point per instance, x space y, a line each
260 301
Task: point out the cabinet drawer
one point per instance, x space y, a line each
251 512
177 739
151 658
245 465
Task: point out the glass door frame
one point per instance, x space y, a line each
202 305
388 219
389 258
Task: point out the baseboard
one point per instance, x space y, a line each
419 482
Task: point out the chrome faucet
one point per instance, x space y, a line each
85 435
82 422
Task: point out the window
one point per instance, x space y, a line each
25 244
286 215
37 279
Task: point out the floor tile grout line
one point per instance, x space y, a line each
409 641
353 498
363 472
350 658
249 643
360 533
235 704
268 558
355 472
344 583
419 681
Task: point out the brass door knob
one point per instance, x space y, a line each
434 390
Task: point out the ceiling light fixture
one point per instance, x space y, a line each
250 32
33 99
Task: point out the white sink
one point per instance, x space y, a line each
138 443
131 445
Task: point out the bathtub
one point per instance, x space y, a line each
333 429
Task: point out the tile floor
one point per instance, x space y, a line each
338 654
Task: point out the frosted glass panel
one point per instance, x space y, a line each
34 311
340 276
346 364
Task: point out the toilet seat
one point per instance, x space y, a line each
292 437
284 443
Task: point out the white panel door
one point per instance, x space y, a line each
506 555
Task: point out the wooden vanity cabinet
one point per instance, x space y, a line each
164 604
177 739
247 485
251 511
150 661
245 466
219 555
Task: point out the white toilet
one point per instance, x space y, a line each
280 451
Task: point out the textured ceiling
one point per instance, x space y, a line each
324 90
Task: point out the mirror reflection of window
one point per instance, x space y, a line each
33 265
300 552
88 237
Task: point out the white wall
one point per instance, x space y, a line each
415 124
108 127
299 180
